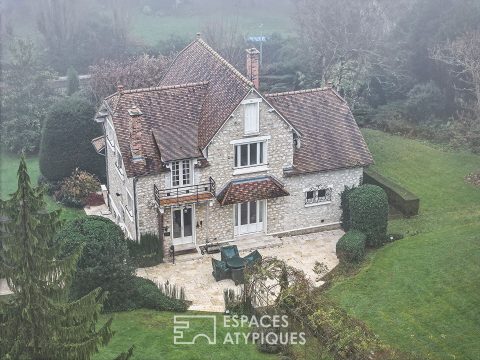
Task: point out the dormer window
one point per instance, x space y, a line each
252 116
181 173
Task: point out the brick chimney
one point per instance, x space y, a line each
136 145
253 66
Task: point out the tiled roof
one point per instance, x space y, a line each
227 86
259 188
169 123
330 138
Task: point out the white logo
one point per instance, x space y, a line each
181 327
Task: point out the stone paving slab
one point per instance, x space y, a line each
301 251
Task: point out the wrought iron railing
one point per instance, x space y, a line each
190 190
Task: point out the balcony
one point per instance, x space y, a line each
185 194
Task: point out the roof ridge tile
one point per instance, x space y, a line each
224 62
160 88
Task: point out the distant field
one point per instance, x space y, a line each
150 29
8 182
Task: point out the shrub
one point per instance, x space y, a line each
147 295
351 246
75 190
104 262
66 137
73 82
94 199
148 252
368 206
345 217
425 102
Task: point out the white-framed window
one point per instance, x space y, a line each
129 205
119 163
181 173
318 195
252 116
109 132
250 154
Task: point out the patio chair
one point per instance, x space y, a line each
228 252
252 258
220 270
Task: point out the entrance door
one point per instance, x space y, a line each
249 217
182 225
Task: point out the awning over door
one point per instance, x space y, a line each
244 190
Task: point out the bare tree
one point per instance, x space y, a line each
139 72
224 35
462 56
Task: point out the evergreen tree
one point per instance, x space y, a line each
66 140
73 82
38 322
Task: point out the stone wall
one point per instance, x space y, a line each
216 223
119 184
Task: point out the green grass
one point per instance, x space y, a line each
152 29
8 182
422 294
152 334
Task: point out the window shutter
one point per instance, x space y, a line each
251 118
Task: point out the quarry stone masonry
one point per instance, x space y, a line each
212 160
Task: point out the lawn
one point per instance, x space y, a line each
152 334
422 294
8 182
152 29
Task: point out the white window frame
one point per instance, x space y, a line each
261 155
110 130
256 126
317 200
129 210
181 182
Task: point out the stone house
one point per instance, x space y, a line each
206 157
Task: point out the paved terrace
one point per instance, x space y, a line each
195 274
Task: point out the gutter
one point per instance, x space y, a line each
135 180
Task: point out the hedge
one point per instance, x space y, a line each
147 252
399 197
368 207
66 140
105 261
351 246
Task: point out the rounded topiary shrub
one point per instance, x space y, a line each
66 140
104 261
351 246
368 210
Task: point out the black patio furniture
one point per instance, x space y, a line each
228 252
220 270
252 258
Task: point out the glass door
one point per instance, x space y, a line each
249 217
182 225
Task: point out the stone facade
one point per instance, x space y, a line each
216 223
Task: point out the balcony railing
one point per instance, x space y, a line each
190 193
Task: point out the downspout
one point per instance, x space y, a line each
135 180
107 149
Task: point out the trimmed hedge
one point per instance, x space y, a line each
148 252
345 217
105 261
351 246
399 197
66 140
368 207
